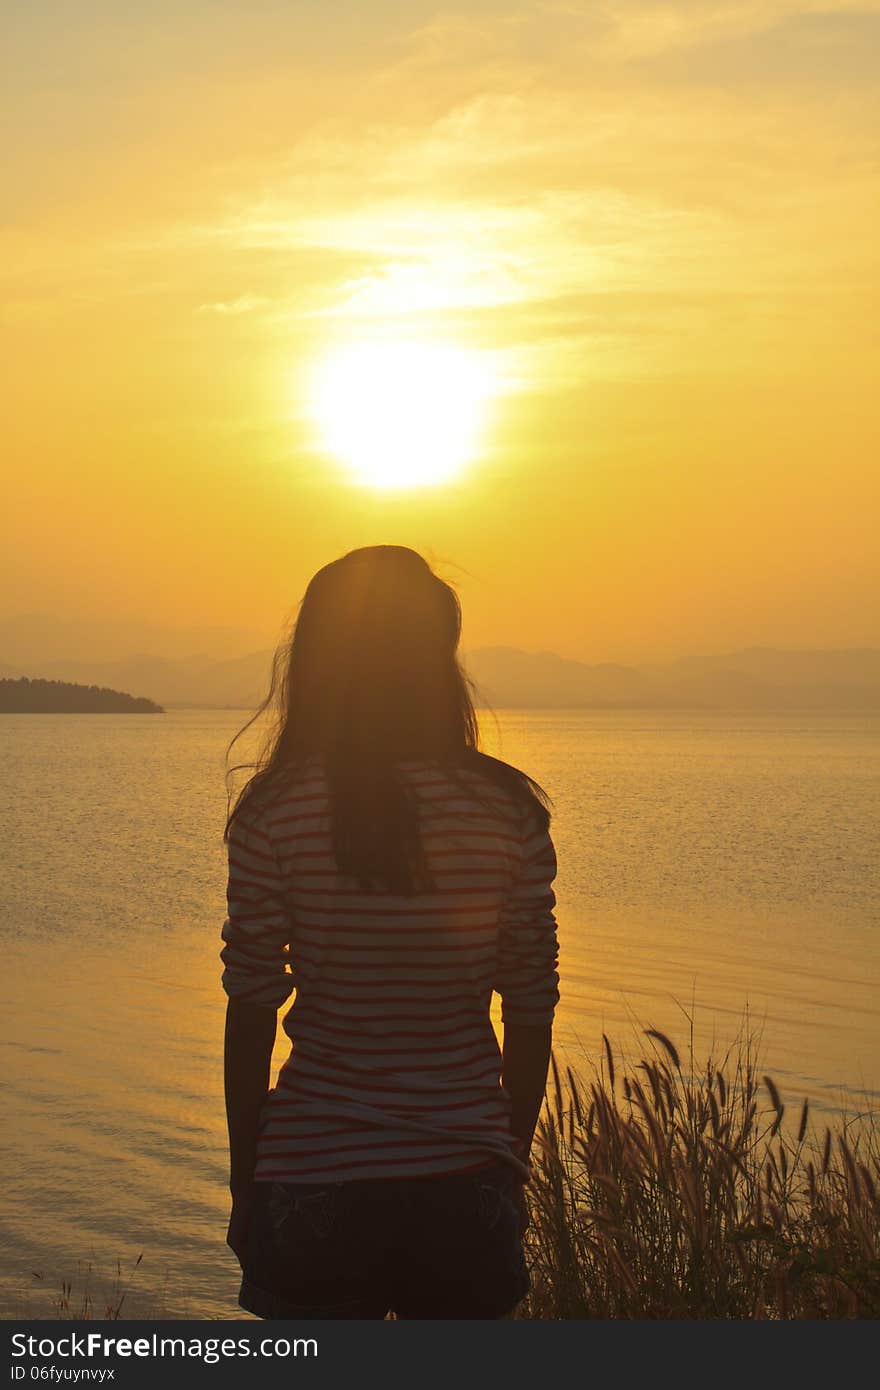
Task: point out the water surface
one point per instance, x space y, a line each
708 863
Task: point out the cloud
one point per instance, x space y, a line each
244 304
642 28
496 168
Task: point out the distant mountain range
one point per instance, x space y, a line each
33 639
757 678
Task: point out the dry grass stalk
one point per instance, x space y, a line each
671 1197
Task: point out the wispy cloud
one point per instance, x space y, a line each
641 28
244 304
500 166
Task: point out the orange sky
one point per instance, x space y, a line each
658 223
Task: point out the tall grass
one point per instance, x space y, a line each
664 1191
90 1294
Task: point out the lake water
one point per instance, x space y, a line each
708 863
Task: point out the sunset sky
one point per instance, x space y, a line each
650 229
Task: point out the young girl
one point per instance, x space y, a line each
391 876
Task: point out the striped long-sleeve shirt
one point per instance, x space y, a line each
395 1068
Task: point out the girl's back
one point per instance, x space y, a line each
395 1068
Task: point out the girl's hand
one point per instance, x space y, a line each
522 1207
239 1224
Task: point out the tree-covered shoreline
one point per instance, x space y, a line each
26 696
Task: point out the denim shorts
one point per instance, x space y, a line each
444 1246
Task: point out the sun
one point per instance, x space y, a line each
401 414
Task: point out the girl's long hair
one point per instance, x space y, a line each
370 677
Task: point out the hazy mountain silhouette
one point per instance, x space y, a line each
29 639
507 676
756 678
753 679
238 683
765 677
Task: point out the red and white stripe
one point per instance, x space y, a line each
395 1067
